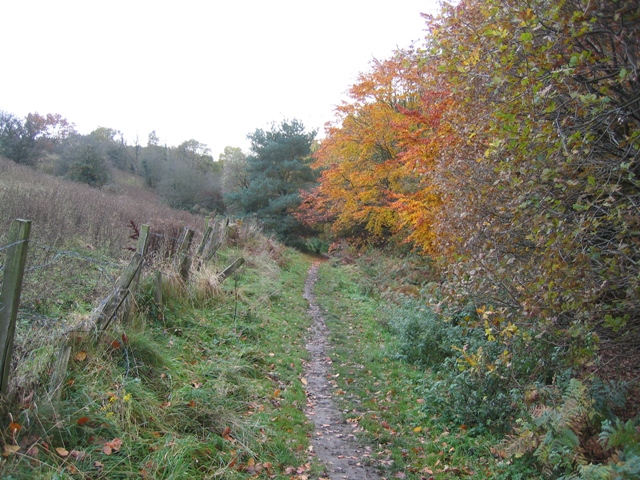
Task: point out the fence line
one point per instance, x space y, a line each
5 247
119 303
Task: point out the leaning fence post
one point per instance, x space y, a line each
10 295
227 272
141 249
206 236
182 261
105 312
205 239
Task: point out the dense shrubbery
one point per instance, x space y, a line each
508 147
508 150
480 381
486 376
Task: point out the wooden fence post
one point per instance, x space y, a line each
10 296
182 261
141 249
205 239
214 242
227 272
105 312
206 236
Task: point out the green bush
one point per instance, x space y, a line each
425 338
481 381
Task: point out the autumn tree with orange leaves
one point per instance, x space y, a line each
377 157
508 145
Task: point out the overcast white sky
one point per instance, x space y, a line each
209 70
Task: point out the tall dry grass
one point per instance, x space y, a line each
79 245
80 240
66 213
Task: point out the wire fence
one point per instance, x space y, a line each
5 247
64 289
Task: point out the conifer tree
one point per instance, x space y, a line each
278 167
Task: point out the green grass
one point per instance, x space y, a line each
207 389
383 395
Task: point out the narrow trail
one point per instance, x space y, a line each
333 442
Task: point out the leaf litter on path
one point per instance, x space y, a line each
333 441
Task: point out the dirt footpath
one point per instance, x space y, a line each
333 442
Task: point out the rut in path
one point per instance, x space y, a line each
333 441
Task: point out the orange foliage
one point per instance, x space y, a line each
511 146
376 158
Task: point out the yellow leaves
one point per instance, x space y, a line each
488 332
382 153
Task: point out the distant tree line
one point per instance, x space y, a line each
264 184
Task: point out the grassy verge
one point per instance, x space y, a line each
383 395
198 389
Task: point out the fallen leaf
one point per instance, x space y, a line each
304 381
498 453
400 475
82 420
115 344
112 446
10 450
276 394
454 470
417 430
62 451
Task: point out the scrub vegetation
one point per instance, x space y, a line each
477 197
